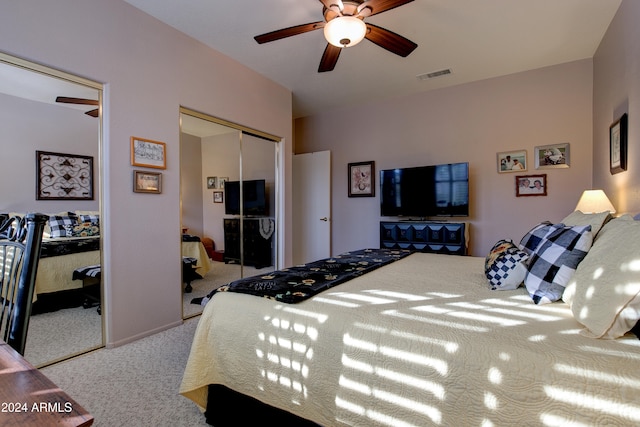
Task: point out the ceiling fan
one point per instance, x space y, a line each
350 14
82 101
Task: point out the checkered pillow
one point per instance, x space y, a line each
555 260
532 239
58 224
504 266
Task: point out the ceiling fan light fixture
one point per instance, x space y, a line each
345 31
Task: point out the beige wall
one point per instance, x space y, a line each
191 184
616 86
465 123
149 71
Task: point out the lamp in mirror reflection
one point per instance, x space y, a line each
594 201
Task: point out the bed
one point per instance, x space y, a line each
445 340
70 240
60 257
195 249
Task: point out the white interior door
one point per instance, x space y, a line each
311 206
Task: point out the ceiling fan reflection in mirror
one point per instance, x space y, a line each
81 101
344 26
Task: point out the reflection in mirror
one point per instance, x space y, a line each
54 169
214 160
259 204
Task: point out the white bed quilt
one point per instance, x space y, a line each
419 342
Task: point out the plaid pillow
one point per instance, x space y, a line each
58 224
534 237
555 260
504 266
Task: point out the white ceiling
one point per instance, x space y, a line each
475 39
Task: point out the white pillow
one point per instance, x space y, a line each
596 220
604 292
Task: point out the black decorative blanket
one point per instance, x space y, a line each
60 247
295 284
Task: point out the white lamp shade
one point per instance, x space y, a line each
345 31
594 201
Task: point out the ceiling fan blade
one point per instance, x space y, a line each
379 6
93 113
335 5
329 58
288 32
82 101
389 40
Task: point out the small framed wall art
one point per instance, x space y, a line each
148 153
362 179
618 145
218 196
512 161
147 182
552 156
212 182
531 185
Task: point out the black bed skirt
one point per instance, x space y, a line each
236 409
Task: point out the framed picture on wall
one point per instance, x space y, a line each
62 176
618 145
552 156
531 185
512 161
362 179
218 196
212 182
148 153
147 182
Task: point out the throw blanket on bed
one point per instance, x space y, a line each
51 248
295 284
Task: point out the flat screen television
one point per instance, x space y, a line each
424 191
254 195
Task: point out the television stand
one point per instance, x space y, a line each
257 239
425 236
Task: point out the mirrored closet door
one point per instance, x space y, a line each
50 131
229 200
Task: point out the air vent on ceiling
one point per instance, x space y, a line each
434 74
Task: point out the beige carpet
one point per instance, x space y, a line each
137 384
64 333
133 385
59 334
